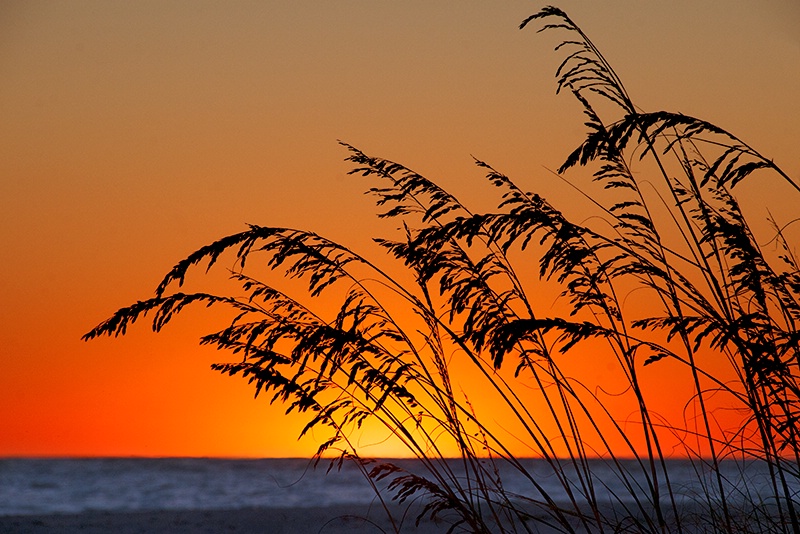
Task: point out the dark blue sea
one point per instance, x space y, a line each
46 486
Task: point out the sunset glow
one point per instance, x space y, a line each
133 134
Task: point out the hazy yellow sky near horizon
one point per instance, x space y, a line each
133 133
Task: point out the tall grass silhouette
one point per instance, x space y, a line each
395 345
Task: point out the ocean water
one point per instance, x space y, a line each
46 486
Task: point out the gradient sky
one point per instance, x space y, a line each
132 133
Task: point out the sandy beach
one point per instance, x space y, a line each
323 520
346 519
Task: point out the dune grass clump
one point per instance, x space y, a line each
392 348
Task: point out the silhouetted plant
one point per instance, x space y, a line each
719 305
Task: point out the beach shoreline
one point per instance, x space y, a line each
339 519
336 519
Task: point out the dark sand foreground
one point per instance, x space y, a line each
351 519
327 520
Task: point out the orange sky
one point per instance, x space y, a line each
133 133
